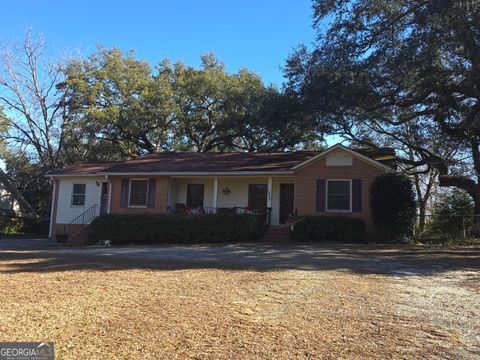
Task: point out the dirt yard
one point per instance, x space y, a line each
244 302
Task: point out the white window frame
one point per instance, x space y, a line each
130 190
73 194
326 196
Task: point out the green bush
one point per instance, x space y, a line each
11 225
23 225
329 228
393 205
123 229
451 214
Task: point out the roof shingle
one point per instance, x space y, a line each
228 162
196 162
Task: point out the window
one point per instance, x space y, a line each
195 195
257 196
339 195
138 193
78 194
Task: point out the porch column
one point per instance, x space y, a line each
215 193
269 192
109 206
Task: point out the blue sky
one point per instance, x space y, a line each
257 35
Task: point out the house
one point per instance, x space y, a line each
334 181
12 203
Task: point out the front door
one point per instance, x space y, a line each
286 202
104 199
195 193
257 196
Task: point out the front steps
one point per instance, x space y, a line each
70 241
78 237
277 233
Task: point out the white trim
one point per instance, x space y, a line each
352 152
130 189
109 205
215 193
52 210
71 175
269 192
326 196
179 174
84 195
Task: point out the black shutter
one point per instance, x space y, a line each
151 193
321 195
124 193
357 195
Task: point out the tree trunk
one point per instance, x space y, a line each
421 216
476 217
464 183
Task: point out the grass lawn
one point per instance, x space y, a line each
98 308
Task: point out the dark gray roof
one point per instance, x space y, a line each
206 163
197 162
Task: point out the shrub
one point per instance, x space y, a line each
451 214
329 228
23 225
123 229
393 205
11 225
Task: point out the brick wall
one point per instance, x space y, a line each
161 197
306 182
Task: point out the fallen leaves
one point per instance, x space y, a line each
120 309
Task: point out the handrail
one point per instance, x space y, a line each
82 216
79 223
235 210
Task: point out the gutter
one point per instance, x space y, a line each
157 173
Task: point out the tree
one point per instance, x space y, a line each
116 105
35 107
4 121
425 177
218 111
29 178
282 125
120 105
392 201
380 66
213 108
452 214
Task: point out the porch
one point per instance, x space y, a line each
240 194
81 201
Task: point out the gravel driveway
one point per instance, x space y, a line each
435 287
